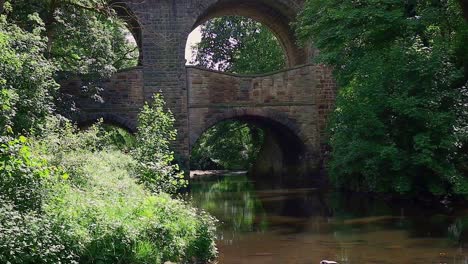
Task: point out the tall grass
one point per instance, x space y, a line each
95 210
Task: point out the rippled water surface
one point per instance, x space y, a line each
305 226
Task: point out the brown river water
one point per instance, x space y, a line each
305 226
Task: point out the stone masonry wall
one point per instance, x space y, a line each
300 99
120 100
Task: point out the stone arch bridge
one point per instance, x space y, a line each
293 105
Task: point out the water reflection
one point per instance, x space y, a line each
232 199
307 225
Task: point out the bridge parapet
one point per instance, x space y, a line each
285 87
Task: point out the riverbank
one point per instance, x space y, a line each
199 174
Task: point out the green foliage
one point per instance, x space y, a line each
96 212
61 137
238 45
401 110
24 179
118 137
83 38
231 145
118 221
27 185
155 159
27 238
25 78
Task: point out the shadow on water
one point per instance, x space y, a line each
307 225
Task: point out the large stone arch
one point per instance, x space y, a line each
275 14
87 119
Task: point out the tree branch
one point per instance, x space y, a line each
100 9
124 56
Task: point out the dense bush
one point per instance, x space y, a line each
24 180
156 168
120 222
29 237
118 137
26 81
96 212
401 120
27 185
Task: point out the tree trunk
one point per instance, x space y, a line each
464 6
2 2
49 26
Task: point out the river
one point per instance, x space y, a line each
305 226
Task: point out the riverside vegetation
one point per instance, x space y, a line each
84 196
401 120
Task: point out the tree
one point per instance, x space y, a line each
26 78
232 145
83 37
42 38
400 120
238 45
153 141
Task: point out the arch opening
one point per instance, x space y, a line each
106 123
133 32
235 44
276 15
111 132
273 154
87 120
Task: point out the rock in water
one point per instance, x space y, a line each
328 262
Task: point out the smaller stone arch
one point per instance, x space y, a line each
266 117
285 159
85 120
